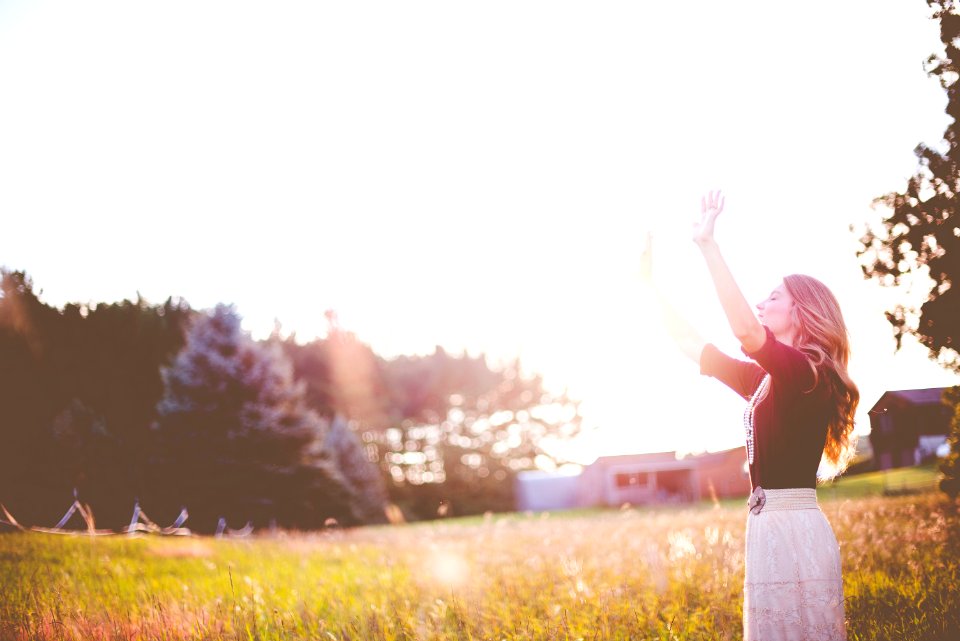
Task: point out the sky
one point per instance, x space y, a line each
479 176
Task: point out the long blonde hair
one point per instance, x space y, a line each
822 336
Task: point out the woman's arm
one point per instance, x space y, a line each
740 376
685 336
744 324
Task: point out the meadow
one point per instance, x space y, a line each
667 574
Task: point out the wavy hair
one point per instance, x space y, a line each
822 336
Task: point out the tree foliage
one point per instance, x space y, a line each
447 430
920 231
78 389
469 427
182 408
356 462
236 437
920 234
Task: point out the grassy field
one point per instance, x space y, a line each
672 573
904 480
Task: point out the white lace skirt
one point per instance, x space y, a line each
792 587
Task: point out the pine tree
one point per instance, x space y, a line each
236 437
362 473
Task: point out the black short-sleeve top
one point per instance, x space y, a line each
789 420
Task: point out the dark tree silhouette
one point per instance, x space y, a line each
247 429
236 437
920 232
353 459
78 388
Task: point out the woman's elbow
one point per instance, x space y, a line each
752 338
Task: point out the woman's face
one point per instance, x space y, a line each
774 312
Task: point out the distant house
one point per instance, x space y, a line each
638 479
539 491
907 426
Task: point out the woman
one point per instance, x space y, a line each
800 408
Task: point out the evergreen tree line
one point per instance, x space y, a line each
177 407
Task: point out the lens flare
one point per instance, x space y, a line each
449 568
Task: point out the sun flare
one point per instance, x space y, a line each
448 568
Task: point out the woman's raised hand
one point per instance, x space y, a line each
710 207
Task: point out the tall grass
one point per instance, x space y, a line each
634 574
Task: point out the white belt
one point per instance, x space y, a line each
792 498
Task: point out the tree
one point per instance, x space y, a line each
33 391
920 233
343 376
442 428
117 351
357 464
78 388
236 437
465 429
123 401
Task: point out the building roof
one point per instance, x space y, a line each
908 397
538 475
663 460
629 459
717 457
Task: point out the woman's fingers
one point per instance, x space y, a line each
711 204
713 201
